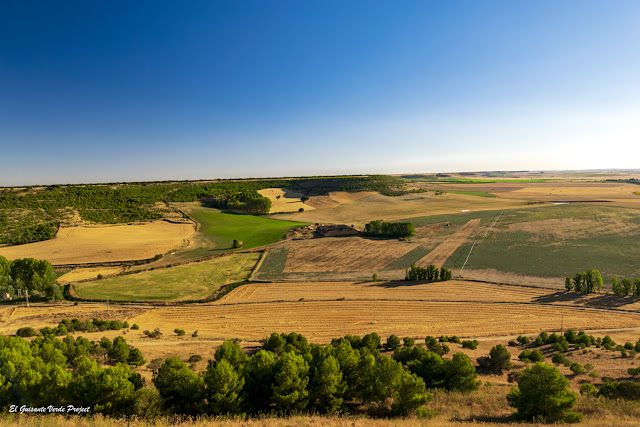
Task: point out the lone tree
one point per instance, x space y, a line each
542 395
499 358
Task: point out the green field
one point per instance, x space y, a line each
224 228
558 253
185 282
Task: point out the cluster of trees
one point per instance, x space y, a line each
588 282
52 371
29 274
290 375
430 273
625 287
380 228
67 326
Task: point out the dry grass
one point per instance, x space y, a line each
284 200
343 254
442 252
88 273
377 206
80 245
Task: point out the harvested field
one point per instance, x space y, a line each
451 291
95 244
40 315
337 198
322 321
343 254
443 251
284 200
191 281
493 275
377 206
88 273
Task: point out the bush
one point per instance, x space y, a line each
374 277
532 356
135 327
408 341
393 342
195 334
26 332
523 340
179 332
542 394
577 368
588 389
470 344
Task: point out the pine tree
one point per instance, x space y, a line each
328 387
223 388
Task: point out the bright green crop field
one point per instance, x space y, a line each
185 282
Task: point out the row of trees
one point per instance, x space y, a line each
625 287
588 282
28 274
430 273
380 228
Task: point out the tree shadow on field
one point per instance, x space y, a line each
588 300
401 283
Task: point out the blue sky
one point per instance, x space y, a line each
145 90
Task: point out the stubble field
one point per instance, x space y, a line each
96 244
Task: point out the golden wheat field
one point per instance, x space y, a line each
284 200
88 273
93 244
378 206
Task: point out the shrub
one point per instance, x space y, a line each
542 394
26 332
408 341
195 334
588 389
194 358
523 340
135 327
179 332
577 368
532 356
470 344
392 342
374 277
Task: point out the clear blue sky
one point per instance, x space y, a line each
140 90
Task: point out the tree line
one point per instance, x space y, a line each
430 273
588 282
381 228
29 274
625 287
